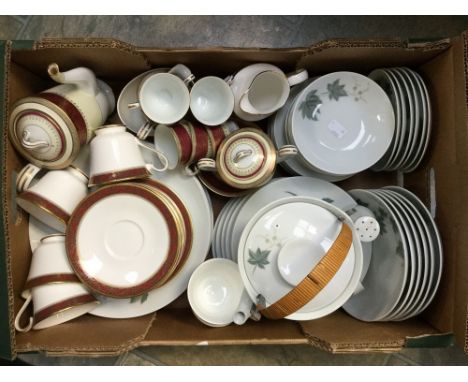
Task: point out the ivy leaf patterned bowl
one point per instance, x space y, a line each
342 123
284 241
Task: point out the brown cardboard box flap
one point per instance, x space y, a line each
89 52
180 327
340 333
79 336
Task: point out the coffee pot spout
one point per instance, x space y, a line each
82 77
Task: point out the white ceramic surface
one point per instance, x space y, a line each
436 249
291 186
122 241
38 230
416 235
424 101
211 101
164 98
413 121
387 83
196 199
46 295
134 119
50 257
115 150
215 292
311 224
414 265
426 252
341 123
388 271
63 188
240 83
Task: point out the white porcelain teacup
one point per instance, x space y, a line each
116 156
217 296
164 97
52 198
211 101
55 291
261 89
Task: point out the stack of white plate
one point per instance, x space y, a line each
406 262
238 212
410 99
341 123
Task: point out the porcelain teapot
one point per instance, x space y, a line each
49 128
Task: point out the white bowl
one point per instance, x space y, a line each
211 101
341 123
215 292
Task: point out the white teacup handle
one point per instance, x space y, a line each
206 164
134 105
184 73
246 310
26 176
296 77
27 328
286 152
31 145
145 130
160 155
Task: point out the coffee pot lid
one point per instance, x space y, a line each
246 158
41 135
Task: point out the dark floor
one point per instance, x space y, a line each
240 31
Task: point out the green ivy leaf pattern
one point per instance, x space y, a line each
310 108
335 90
328 200
259 258
141 298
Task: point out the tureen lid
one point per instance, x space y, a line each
246 158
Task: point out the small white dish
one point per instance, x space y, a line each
211 101
216 294
286 224
341 123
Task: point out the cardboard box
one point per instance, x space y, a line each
441 182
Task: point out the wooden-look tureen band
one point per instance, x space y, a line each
315 281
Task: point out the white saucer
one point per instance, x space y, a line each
198 204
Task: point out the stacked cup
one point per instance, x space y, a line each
186 142
53 288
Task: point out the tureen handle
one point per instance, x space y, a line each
286 152
296 77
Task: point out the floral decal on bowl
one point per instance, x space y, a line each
259 258
310 107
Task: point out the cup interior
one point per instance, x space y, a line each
164 98
212 101
268 92
215 291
